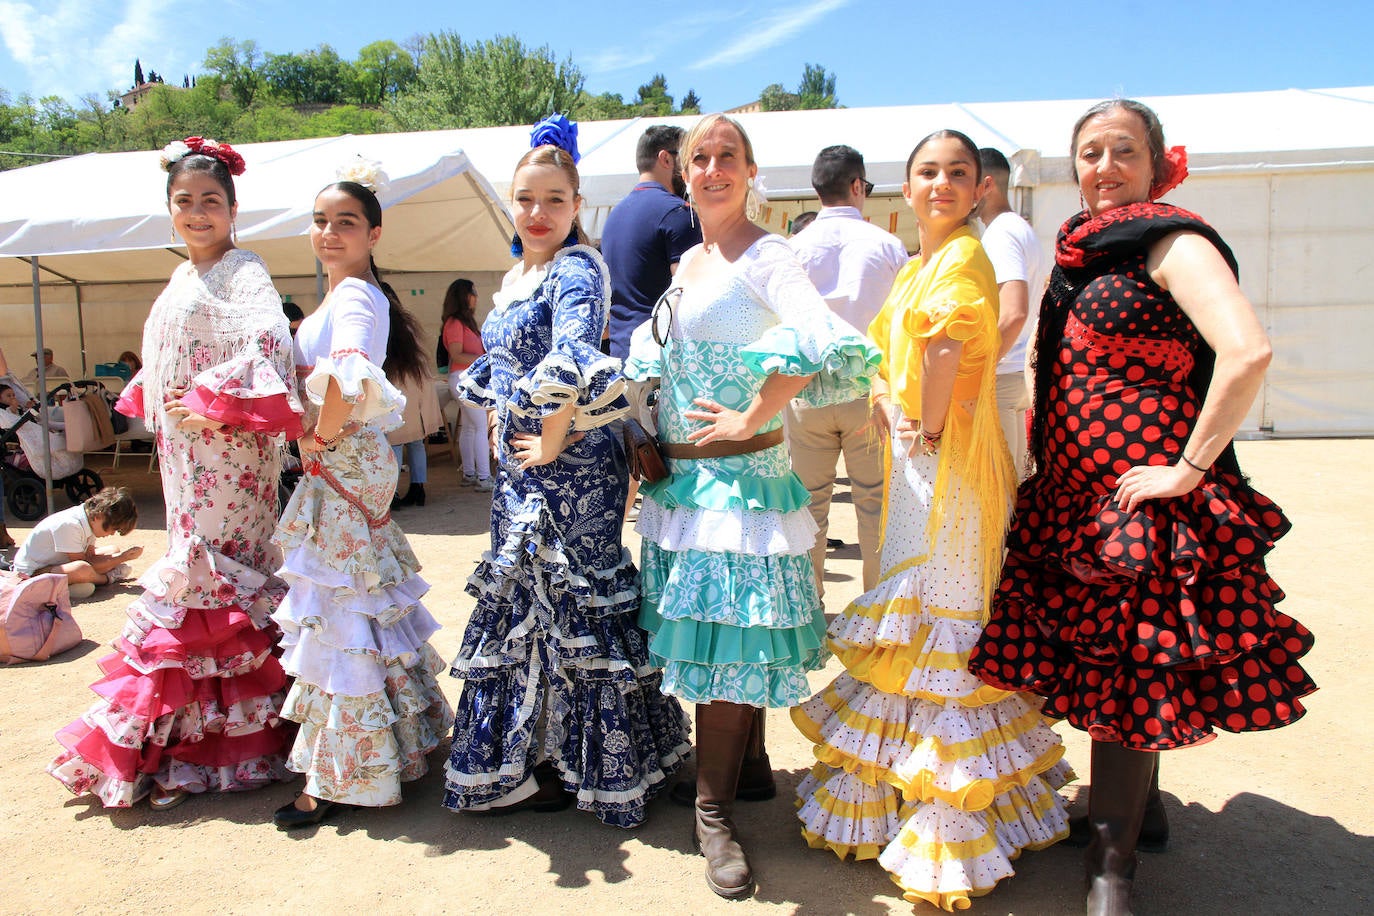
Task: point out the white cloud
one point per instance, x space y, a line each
70 47
611 59
771 30
658 42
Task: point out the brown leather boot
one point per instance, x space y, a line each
755 776
1154 829
722 734
1116 806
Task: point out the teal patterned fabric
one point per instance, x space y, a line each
743 625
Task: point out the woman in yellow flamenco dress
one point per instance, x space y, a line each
920 765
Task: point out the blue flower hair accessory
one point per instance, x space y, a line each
556 130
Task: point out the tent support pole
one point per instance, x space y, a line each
81 330
42 381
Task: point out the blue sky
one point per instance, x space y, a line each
883 52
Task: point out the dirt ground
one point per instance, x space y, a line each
1269 823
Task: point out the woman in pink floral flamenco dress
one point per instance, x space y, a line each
354 631
191 700
942 779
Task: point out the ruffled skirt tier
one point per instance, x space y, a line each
555 668
191 700
355 633
730 595
1149 629
942 779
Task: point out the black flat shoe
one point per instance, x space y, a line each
289 817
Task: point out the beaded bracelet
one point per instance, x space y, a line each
327 443
929 441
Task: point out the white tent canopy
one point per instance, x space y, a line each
102 218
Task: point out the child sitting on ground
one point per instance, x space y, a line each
64 542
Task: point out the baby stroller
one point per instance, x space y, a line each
21 440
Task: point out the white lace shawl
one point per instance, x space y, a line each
212 319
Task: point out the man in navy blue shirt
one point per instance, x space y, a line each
646 235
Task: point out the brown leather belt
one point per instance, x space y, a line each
721 448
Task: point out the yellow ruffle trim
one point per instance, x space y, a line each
1008 811
897 732
888 665
920 786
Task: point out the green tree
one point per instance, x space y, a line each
101 126
691 103
500 81
653 100
383 69
608 106
435 97
775 98
238 67
318 77
513 84
138 73
817 88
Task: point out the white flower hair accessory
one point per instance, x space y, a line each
174 152
364 171
754 198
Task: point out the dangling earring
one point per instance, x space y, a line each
172 233
234 232
517 247
691 210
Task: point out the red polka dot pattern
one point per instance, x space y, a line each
1151 629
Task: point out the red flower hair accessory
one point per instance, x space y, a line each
1177 158
202 146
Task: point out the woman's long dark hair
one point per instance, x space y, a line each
404 357
458 304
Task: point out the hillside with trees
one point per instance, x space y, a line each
430 82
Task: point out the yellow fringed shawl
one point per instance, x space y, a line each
954 294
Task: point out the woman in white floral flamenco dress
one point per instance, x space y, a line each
729 593
354 631
560 703
190 701
941 778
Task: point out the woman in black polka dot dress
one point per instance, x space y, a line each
1134 596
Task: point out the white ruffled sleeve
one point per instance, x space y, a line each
575 371
809 339
359 324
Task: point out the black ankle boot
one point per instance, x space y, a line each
415 496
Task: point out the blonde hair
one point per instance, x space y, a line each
558 158
702 128
753 203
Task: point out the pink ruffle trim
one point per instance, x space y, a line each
130 402
272 414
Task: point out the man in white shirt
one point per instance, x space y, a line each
1019 263
852 263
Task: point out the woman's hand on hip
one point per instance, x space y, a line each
724 424
533 450
1154 481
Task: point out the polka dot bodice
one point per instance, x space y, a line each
1122 391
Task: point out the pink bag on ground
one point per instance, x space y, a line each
36 619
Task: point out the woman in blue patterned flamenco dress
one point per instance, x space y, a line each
560 702
729 592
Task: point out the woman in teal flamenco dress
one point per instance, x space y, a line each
728 590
